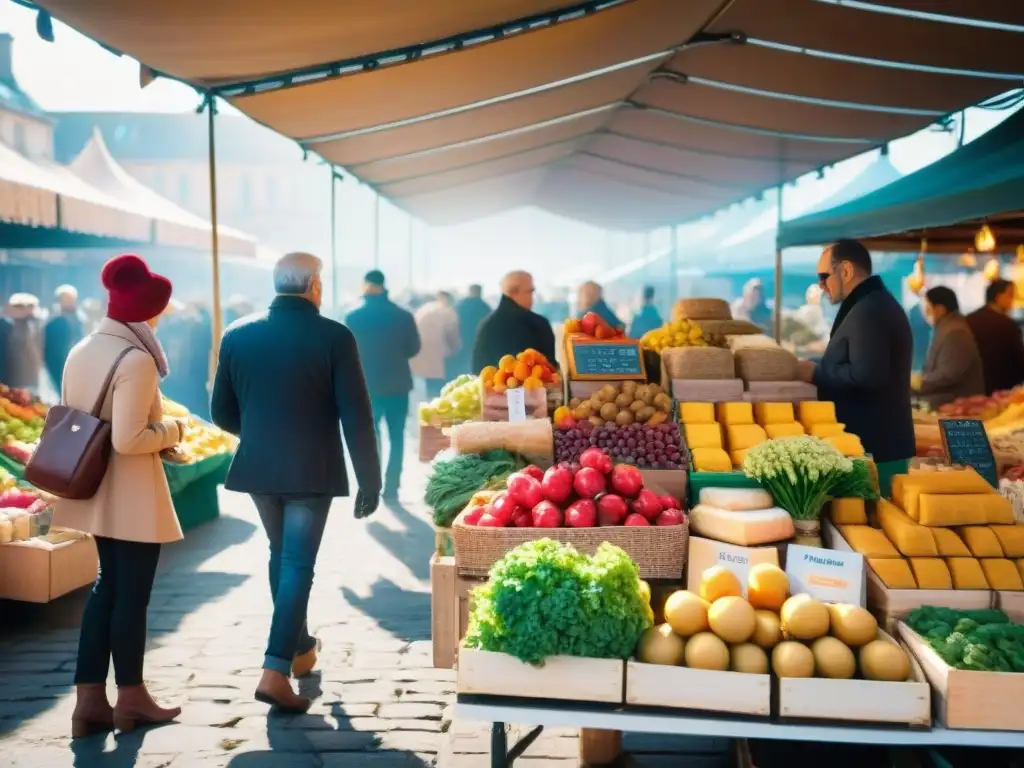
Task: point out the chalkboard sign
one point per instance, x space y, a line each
966 443
592 360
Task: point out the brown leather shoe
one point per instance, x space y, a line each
303 664
275 690
93 713
136 707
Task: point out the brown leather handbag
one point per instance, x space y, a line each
73 453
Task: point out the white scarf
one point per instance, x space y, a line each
145 334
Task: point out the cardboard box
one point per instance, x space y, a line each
38 570
707 390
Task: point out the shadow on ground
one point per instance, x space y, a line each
411 544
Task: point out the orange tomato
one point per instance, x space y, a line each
538 371
499 388
499 378
561 413
511 382
528 358
521 371
488 372
533 383
507 363
555 378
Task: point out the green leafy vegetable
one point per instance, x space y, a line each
858 483
982 640
546 599
454 482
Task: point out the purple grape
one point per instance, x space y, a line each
631 443
640 451
661 458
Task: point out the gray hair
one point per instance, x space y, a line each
66 290
294 273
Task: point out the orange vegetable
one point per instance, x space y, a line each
539 371
532 382
522 371
499 377
561 413
488 372
499 388
507 364
511 382
572 325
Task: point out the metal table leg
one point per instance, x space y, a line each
501 755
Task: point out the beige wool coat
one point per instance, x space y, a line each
133 502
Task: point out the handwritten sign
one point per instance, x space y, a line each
592 360
516 404
706 553
826 574
966 443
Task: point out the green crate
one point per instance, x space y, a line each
197 503
699 480
180 476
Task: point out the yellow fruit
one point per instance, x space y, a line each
833 658
792 659
717 582
804 618
748 658
660 645
767 586
645 591
732 619
686 613
707 651
884 660
852 624
767 629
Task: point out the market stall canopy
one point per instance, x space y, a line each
944 203
173 225
552 103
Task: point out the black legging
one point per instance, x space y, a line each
114 623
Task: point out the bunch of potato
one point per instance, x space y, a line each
624 404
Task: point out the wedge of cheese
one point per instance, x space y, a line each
910 538
868 541
1011 538
746 529
738 457
711 460
930 573
949 544
775 431
846 444
981 541
737 499
773 413
966 573
952 509
1002 574
907 489
848 512
697 413
895 573
703 435
731 414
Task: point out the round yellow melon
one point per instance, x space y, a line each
732 619
645 591
884 660
852 624
792 659
767 629
706 650
660 645
804 618
748 658
833 658
717 582
767 586
686 613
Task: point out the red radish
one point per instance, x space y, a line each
581 514
670 517
502 507
635 519
647 504
524 490
557 484
472 517
597 459
669 502
611 509
522 518
627 480
489 521
14 497
547 515
588 483
533 471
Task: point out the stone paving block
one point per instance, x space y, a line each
379 760
402 710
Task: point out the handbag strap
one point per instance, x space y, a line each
104 391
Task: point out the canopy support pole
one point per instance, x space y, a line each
673 268
777 312
217 320
335 178
376 231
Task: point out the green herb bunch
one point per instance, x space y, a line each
982 640
453 482
800 472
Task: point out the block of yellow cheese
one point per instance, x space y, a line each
731 414
952 509
711 460
697 413
949 544
966 573
981 541
747 529
930 573
816 412
907 489
703 436
868 541
775 431
911 539
738 457
1020 567
773 413
826 430
848 512
1002 574
846 444
894 572
744 436
1011 538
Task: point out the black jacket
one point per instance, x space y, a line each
865 371
1001 347
509 330
286 378
388 340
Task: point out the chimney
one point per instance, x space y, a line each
6 64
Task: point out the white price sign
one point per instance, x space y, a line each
516 404
826 574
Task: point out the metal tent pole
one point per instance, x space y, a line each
335 283
376 231
217 320
777 314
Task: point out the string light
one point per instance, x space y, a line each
1020 254
985 240
993 270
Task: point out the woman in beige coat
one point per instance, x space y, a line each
131 515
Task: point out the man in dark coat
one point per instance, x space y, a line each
865 370
513 327
953 368
286 379
388 340
999 338
62 331
471 311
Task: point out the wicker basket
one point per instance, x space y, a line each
699 363
729 328
701 309
658 551
751 341
765 364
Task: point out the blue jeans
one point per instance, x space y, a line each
393 410
295 527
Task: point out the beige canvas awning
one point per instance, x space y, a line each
623 113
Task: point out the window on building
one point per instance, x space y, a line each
20 141
183 188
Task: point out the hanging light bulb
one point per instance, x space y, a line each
985 240
915 283
1020 254
967 260
993 270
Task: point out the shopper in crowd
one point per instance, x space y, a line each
999 338
513 327
953 368
471 311
751 306
290 459
92 314
131 515
438 326
590 298
388 340
24 342
62 331
648 318
865 370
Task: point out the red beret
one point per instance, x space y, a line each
135 293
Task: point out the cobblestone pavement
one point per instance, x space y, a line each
379 704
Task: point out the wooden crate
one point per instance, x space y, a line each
657 685
707 390
866 701
966 699
560 677
670 481
433 440
449 609
1012 604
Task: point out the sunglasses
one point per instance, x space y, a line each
823 277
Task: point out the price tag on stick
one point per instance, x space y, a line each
516 404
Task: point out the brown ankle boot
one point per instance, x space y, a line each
304 663
93 713
136 707
275 690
